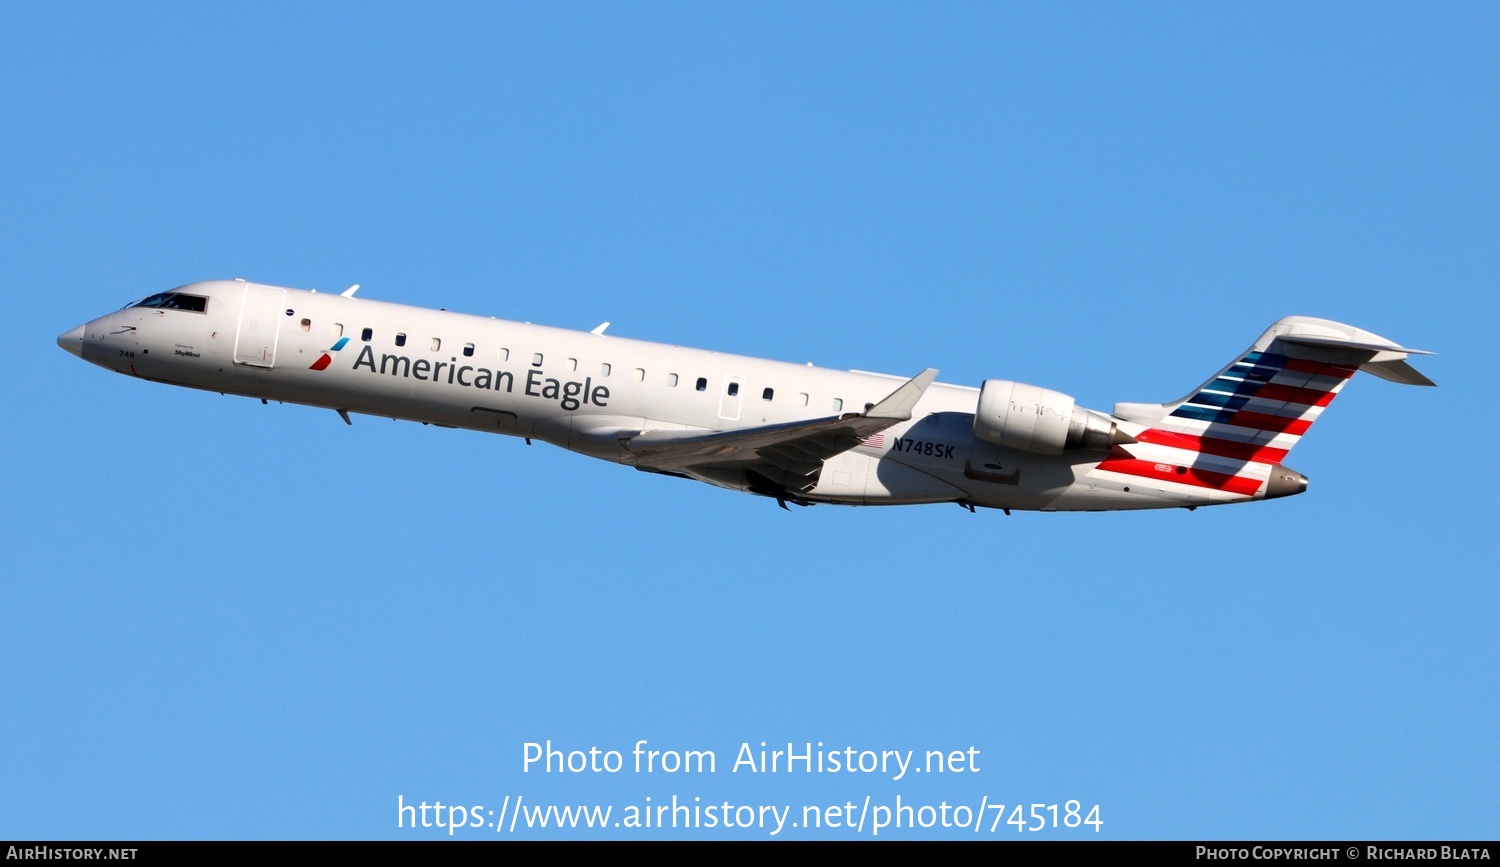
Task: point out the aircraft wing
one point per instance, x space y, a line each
789 454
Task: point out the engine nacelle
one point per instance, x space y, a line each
1032 419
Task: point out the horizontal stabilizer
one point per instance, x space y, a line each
1396 371
1368 352
1338 343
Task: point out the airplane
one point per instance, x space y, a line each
796 433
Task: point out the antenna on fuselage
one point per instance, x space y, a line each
349 293
600 328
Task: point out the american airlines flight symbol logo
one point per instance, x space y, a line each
325 359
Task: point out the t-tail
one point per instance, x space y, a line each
1226 440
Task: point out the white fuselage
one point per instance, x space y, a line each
576 389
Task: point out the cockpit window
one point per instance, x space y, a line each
175 301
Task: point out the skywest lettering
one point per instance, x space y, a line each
570 395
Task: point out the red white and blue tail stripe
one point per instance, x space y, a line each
1227 439
1256 409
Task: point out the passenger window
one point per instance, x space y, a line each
338 329
767 394
838 404
572 364
468 350
640 374
306 325
436 344
702 384
604 369
536 359
366 335
400 339
505 355
672 380
734 389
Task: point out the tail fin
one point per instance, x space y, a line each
1258 407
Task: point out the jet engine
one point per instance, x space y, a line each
1021 416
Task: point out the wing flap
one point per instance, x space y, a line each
693 447
790 452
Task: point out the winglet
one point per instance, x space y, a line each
899 403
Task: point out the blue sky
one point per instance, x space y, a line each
227 620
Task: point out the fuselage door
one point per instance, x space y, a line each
260 321
729 401
494 420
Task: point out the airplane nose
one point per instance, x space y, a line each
72 341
